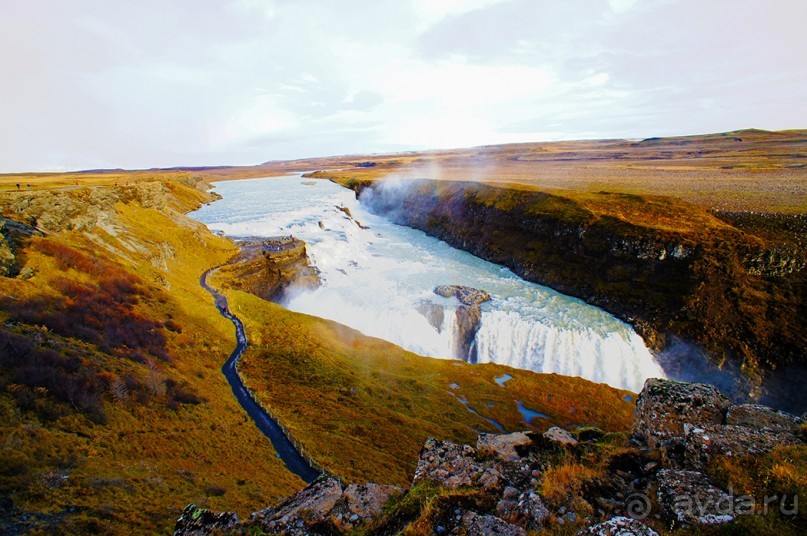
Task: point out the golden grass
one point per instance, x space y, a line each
135 473
560 483
349 398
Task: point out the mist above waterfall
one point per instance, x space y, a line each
377 276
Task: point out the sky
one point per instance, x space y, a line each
156 83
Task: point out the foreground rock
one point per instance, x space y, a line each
324 507
196 521
688 497
524 482
619 526
762 417
701 445
664 407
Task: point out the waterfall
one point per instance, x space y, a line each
379 277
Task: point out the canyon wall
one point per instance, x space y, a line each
734 293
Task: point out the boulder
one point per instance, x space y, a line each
762 417
525 510
360 505
703 444
466 295
619 526
196 521
507 447
303 510
664 407
486 525
447 464
688 497
452 466
559 436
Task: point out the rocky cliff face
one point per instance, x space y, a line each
731 292
272 268
12 236
85 208
559 480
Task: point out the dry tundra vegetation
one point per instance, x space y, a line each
114 413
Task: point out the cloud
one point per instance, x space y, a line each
89 83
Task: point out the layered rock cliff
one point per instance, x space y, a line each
666 267
272 268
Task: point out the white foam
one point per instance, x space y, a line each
374 279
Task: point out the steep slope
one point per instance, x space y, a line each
114 411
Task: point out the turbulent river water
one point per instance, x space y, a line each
377 276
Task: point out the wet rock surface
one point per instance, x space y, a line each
468 316
466 295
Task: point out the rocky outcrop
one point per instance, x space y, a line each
272 268
502 485
196 521
468 316
466 295
717 286
83 209
758 416
12 235
619 526
688 497
324 507
691 424
701 445
665 407
507 447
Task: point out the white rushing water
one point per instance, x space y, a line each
376 278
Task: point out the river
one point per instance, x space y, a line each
377 276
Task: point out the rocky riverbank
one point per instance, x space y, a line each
680 468
673 270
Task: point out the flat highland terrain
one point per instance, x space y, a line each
745 170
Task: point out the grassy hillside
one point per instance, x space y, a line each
114 412
362 407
